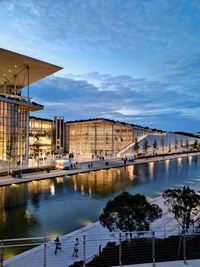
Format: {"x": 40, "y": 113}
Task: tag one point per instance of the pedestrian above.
{"x": 75, "y": 252}
{"x": 88, "y": 166}
{"x": 57, "y": 244}
{"x": 91, "y": 165}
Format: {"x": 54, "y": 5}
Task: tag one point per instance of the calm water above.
{"x": 60, "y": 205}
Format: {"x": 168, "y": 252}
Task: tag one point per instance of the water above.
{"x": 61, "y": 205}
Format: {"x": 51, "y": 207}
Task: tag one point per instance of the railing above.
{"x": 16, "y": 96}
{"x": 131, "y": 144}
{"x": 114, "y": 249}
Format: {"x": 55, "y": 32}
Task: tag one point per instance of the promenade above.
{"x": 83, "y": 167}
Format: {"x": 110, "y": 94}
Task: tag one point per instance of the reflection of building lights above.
{"x": 90, "y": 191}
{"x": 151, "y": 169}
{"x": 52, "y": 189}
{"x": 75, "y": 187}
{"x": 59, "y": 180}
{"x": 179, "y": 161}
{"x": 167, "y": 164}
{"x": 86, "y": 222}
{"x": 190, "y": 160}
{"x": 82, "y": 189}
{"x": 14, "y": 185}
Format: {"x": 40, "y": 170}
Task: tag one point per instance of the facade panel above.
{"x": 13, "y": 132}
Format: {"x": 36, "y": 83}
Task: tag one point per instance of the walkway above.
{"x": 83, "y": 167}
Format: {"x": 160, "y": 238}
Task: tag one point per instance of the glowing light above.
{"x": 52, "y": 189}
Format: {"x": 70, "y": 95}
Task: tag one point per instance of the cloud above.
{"x": 116, "y": 97}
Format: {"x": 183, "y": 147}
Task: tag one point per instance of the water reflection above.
{"x": 64, "y": 204}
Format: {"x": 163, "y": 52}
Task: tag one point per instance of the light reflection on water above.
{"x": 64, "y": 204}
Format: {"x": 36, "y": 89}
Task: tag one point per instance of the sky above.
{"x": 136, "y": 61}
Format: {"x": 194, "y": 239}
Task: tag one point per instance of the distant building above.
{"x": 103, "y": 137}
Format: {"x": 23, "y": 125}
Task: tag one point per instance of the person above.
{"x": 75, "y": 252}
{"x": 57, "y": 244}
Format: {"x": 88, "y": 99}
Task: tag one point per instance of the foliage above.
{"x": 187, "y": 143}
{"x": 195, "y": 145}
{"x": 169, "y": 148}
{"x": 136, "y": 146}
{"x": 145, "y": 146}
{"x": 128, "y": 213}
{"x": 155, "y": 146}
{"x": 175, "y": 144}
{"x": 162, "y": 144}
{"x": 184, "y": 204}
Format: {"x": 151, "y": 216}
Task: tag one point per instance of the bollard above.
{"x": 84, "y": 251}
{"x": 120, "y": 249}
{"x": 45, "y": 254}
{"x": 153, "y": 248}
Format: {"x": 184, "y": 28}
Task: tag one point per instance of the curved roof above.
{"x": 14, "y": 66}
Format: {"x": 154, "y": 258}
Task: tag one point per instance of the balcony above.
{"x": 21, "y": 101}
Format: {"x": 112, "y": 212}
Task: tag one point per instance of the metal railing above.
{"x": 114, "y": 249}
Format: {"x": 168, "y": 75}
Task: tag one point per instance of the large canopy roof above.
{"x": 14, "y": 69}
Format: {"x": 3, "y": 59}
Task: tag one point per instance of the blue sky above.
{"x": 136, "y": 61}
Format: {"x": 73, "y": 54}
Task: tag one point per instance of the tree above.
{"x": 10, "y": 150}
{"x": 162, "y": 144}
{"x": 136, "y": 146}
{"x": 155, "y": 147}
{"x": 195, "y": 145}
{"x": 145, "y": 146}
{"x": 36, "y": 148}
{"x": 181, "y": 143}
{"x": 184, "y": 204}
{"x": 169, "y": 148}
{"x": 175, "y": 144}
{"x": 129, "y": 213}
{"x": 187, "y": 144}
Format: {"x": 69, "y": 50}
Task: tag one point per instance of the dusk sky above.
{"x": 136, "y": 61}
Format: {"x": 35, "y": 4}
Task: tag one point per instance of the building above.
{"x": 17, "y": 72}
{"x": 40, "y": 137}
{"x": 103, "y": 137}
{"x": 58, "y": 135}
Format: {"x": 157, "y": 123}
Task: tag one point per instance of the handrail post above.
{"x": 45, "y": 253}
{"x": 1, "y": 253}
{"x": 184, "y": 249}
{"x": 84, "y": 251}
{"x": 120, "y": 249}
{"x": 153, "y": 248}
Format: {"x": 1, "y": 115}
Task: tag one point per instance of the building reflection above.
{"x": 15, "y": 224}
{"x": 102, "y": 183}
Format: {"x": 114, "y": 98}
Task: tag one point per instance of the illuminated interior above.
{"x": 40, "y": 137}
{"x": 98, "y": 137}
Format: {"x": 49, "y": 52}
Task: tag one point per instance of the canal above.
{"x": 63, "y": 204}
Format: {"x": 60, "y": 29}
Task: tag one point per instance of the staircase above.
{"x": 125, "y": 149}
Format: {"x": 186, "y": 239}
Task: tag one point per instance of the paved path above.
{"x": 83, "y": 167}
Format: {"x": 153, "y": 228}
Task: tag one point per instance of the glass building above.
{"x": 97, "y": 137}
{"x": 40, "y": 137}
{"x": 17, "y": 72}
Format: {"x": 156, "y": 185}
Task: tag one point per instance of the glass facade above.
{"x": 40, "y": 137}
{"x": 98, "y": 137}
{"x": 13, "y": 132}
